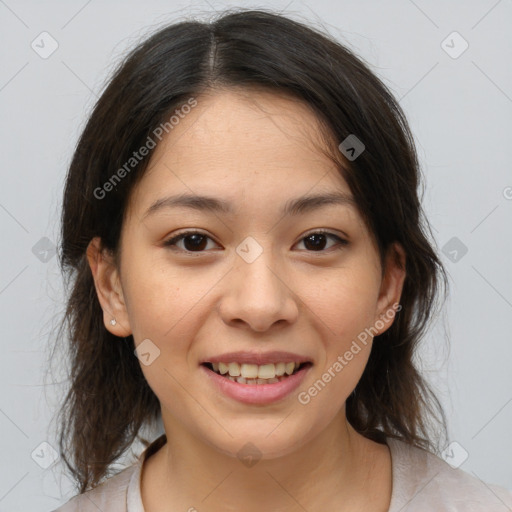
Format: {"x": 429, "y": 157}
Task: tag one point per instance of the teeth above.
{"x": 280, "y": 369}
{"x": 249, "y": 371}
{"x": 289, "y": 368}
{"x": 267, "y": 371}
{"x": 255, "y": 374}
{"x": 234, "y": 369}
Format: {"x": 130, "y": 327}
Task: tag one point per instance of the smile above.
{"x": 255, "y": 384}
{"x": 251, "y": 374}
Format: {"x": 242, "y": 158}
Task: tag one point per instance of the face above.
{"x": 258, "y": 275}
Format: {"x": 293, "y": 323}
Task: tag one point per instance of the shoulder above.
{"x": 423, "y": 481}
{"x": 109, "y": 496}
{"x": 119, "y": 493}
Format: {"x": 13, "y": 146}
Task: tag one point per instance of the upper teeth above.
{"x": 254, "y": 371}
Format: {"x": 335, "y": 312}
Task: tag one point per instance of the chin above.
{"x": 263, "y": 440}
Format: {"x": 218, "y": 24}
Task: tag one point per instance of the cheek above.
{"x": 325, "y": 396}
{"x": 163, "y": 300}
{"x": 166, "y": 307}
{"x": 343, "y": 310}
{"x": 345, "y": 302}
{"x": 345, "y": 315}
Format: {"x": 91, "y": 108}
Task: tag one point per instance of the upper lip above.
{"x": 258, "y": 358}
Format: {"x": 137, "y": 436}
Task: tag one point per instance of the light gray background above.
{"x": 459, "y": 110}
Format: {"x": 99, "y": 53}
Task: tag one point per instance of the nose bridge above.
{"x": 256, "y": 294}
{"x": 260, "y": 276}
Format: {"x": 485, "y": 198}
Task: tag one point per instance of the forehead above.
{"x": 248, "y": 142}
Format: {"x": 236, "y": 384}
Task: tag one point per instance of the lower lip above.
{"x": 257, "y": 393}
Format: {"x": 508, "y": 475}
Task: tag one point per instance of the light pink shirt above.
{"x": 421, "y": 482}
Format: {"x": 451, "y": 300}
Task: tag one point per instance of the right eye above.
{"x": 193, "y": 241}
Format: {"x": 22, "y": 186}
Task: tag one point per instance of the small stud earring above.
{"x": 113, "y": 321}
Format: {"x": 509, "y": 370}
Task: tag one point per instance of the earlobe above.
{"x": 108, "y": 289}
{"x": 391, "y": 287}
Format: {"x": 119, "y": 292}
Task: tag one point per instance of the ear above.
{"x": 390, "y": 292}
{"x": 108, "y": 288}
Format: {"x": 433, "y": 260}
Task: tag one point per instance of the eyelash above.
{"x": 172, "y": 241}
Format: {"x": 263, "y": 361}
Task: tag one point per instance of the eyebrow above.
{"x": 296, "y": 206}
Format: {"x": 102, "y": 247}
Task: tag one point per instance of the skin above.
{"x": 257, "y": 150}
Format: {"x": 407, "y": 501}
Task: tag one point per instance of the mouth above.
{"x": 254, "y": 374}
{"x": 255, "y": 379}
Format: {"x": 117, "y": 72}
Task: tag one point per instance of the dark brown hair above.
{"x": 109, "y": 400}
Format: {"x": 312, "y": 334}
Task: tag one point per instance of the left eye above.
{"x": 194, "y": 241}
{"x": 318, "y": 240}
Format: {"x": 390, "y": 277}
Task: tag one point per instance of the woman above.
{"x": 249, "y": 263}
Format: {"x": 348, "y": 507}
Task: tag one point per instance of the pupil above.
{"x": 318, "y": 240}
{"x": 198, "y": 242}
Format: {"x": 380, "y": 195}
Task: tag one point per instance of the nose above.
{"x": 257, "y": 296}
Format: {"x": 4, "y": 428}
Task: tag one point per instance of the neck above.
{"x": 336, "y": 468}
